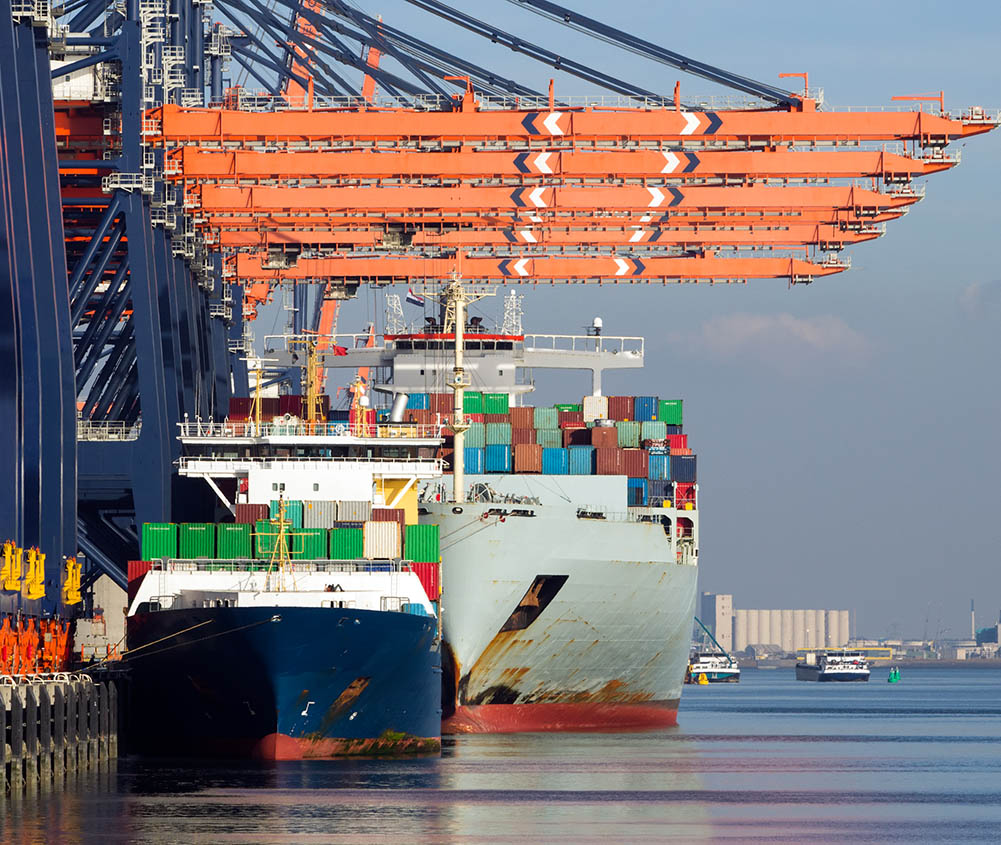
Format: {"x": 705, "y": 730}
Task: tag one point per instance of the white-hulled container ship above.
{"x": 569, "y": 535}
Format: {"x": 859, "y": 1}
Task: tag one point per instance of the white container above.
{"x": 354, "y": 511}
{"x": 318, "y": 514}
{"x": 382, "y": 540}
{"x": 595, "y": 408}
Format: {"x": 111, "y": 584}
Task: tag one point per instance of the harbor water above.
{"x": 769, "y": 759}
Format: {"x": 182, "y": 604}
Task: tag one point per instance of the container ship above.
{"x": 569, "y": 534}
{"x": 299, "y": 625}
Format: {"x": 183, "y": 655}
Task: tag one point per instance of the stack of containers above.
{"x": 423, "y": 548}
{"x": 397, "y": 515}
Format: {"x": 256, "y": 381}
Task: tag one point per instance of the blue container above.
{"x": 473, "y": 456}
{"x": 418, "y": 401}
{"x": 683, "y": 468}
{"x": 659, "y": 489}
{"x": 673, "y": 429}
{"x": 498, "y": 434}
{"x": 382, "y": 415}
{"x": 498, "y": 457}
{"x": 659, "y": 466}
{"x": 338, "y": 416}
{"x": 646, "y": 408}
{"x": 555, "y": 462}
{"x": 581, "y": 460}
{"x": 636, "y": 491}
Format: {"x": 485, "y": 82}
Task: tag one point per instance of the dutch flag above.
{"x": 414, "y": 299}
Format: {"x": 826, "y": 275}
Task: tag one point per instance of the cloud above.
{"x": 788, "y": 343}
{"x": 980, "y": 299}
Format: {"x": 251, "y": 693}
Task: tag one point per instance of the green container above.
{"x": 565, "y": 407}
{"x": 472, "y": 402}
{"x": 547, "y": 418}
{"x": 232, "y": 541}
{"x": 495, "y": 403}
{"x": 159, "y": 540}
{"x": 196, "y": 539}
{"x": 265, "y": 537}
{"x": 629, "y": 433}
{"x": 293, "y": 511}
{"x": 422, "y": 543}
{"x": 476, "y": 437}
{"x": 653, "y": 430}
{"x": 670, "y": 411}
{"x": 309, "y": 544}
{"x": 498, "y": 434}
{"x": 347, "y": 544}
{"x": 549, "y": 438}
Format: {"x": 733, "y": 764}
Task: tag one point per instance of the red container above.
{"x": 239, "y": 407}
{"x": 290, "y": 404}
{"x": 605, "y": 437}
{"x": 494, "y": 418}
{"x": 577, "y": 436}
{"x": 249, "y": 514}
{"x": 522, "y": 435}
{"x": 442, "y": 403}
{"x": 568, "y": 419}
{"x": 620, "y": 408}
{"x": 136, "y": 570}
{"x": 635, "y": 462}
{"x": 398, "y": 515}
{"x": 677, "y": 441}
{"x": 527, "y": 456}
{"x": 684, "y": 492}
{"x": 522, "y": 417}
{"x": 270, "y": 407}
{"x": 482, "y": 418}
{"x": 608, "y": 461}
{"x": 430, "y": 578}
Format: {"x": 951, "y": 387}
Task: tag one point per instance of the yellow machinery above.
{"x": 71, "y": 584}
{"x": 13, "y": 563}
{"x": 34, "y": 578}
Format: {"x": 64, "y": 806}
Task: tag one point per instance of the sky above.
{"x": 847, "y": 431}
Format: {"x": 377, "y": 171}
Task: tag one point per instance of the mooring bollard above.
{"x": 44, "y": 733}
{"x": 16, "y": 707}
{"x": 70, "y": 749}
{"x": 58, "y": 732}
{"x": 30, "y": 735}
{"x": 82, "y": 725}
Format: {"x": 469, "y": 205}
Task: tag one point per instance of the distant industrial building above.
{"x": 778, "y": 630}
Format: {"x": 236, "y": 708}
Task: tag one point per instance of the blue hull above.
{"x": 284, "y": 682}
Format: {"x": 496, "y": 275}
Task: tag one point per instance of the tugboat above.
{"x": 833, "y": 665}
{"x": 715, "y": 666}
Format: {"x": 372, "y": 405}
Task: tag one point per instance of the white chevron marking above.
{"x": 552, "y": 123}
{"x": 536, "y": 197}
{"x": 535, "y": 218}
{"x": 528, "y": 236}
{"x": 623, "y": 266}
{"x": 646, "y": 218}
{"x": 637, "y": 235}
{"x": 691, "y": 123}
{"x": 541, "y": 163}
{"x": 657, "y": 197}
{"x": 519, "y": 266}
{"x": 672, "y": 162}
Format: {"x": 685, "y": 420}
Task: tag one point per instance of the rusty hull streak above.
{"x": 339, "y": 707}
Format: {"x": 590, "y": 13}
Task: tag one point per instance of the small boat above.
{"x": 894, "y": 677}
{"x": 714, "y": 667}
{"x": 833, "y": 664}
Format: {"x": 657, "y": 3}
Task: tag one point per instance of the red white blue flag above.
{"x": 414, "y": 299}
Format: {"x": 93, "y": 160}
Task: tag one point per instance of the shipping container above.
{"x": 569, "y": 419}
{"x": 628, "y": 434}
{"x": 581, "y": 460}
{"x": 496, "y": 418}
{"x": 498, "y": 433}
{"x": 669, "y": 411}
{"x": 429, "y": 573}
{"x": 475, "y": 418}
{"x": 159, "y": 540}
{"x": 391, "y": 515}
{"x": 339, "y": 415}
{"x": 423, "y": 545}
{"x": 354, "y": 511}
{"x": 473, "y": 459}
{"x": 660, "y": 489}
{"x": 608, "y": 461}
{"x": 546, "y": 418}
{"x": 605, "y": 437}
{"x": 196, "y": 539}
{"x": 265, "y": 538}
{"x": 634, "y": 462}
{"x": 636, "y": 492}
{"x": 495, "y": 403}
{"x": 659, "y": 467}
{"x": 645, "y": 408}
{"x": 309, "y": 544}
{"x": 347, "y": 543}
{"x": 555, "y": 462}
{"x": 293, "y": 511}
{"x": 318, "y": 514}
{"x": 576, "y": 437}
{"x": 684, "y": 493}
{"x": 472, "y": 402}
{"x": 673, "y": 429}
{"x": 476, "y": 436}
{"x": 522, "y": 417}
{"x": 417, "y": 401}
{"x": 497, "y": 457}
{"x": 653, "y": 430}
{"x": 270, "y": 408}
{"x": 569, "y": 406}
{"x": 551, "y": 438}
{"x": 442, "y": 403}
{"x": 520, "y": 436}
{"x": 595, "y": 408}
{"x": 677, "y": 441}
{"x": 249, "y": 514}
{"x": 290, "y": 405}
{"x": 527, "y": 456}
{"x": 239, "y": 407}
{"x": 233, "y": 541}
{"x": 382, "y": 540}
{"x": 620, "y": 407}
{"x": 683, "y": 468}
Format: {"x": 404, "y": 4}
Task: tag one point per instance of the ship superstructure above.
{"x": 833, "y": 665}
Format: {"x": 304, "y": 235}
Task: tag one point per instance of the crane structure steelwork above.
{"x": 174, "y": 200}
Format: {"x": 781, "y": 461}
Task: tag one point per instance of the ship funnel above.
{"x": 399, "y": 406}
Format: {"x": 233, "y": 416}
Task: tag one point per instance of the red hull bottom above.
{"x": 278, "y": 746}
{"x": 558, "y": 716}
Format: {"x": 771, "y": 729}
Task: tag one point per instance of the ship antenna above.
{"x": 512, "y": 314}
{"x": 395, "y": 321}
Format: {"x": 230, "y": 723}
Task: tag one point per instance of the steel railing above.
{"x": 107, "y": 431}
{"x": 584, "y": 343}
{"x": 371, "y": 431}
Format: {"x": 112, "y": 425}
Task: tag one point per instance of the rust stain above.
{"x": 339, "y": 707}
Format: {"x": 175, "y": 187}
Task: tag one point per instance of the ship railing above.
{"x": 404, "y": 466}
{"x": 584, "y": 343}
{"x": 300, "y": 428}
{"x": 264, "y": 565}
{"x": 114, "y": 430}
